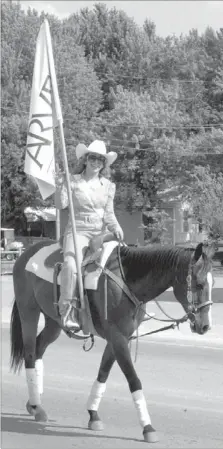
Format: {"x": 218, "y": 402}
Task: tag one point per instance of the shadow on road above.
{"x": 17, "y": 423}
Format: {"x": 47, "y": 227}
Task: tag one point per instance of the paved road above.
{"x": 182, "y": 376}
{"x": 183, "y": 385}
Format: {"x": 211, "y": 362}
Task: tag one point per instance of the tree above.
{"x": 140, "y": 127}
{"x": 80, "y": 96}
{"x": 206, "y": 196}
{"x": 152, "y": 99}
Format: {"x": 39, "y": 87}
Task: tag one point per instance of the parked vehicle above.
{"x": 218, "y": 257}
{"x": 10, "y": 248}
{"x": 5, "y": 255}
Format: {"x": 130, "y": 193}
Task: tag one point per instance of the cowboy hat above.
{"x": 97, "y": 147}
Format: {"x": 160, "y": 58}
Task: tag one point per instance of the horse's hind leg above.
{"x": 122, "y": 354}
{"x": 48, "y": 335}
{"x": 98, "y": 388}
{"x": 29, "y": 321}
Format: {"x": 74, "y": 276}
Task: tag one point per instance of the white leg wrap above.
{"x": 39, "y": 375}
{"x": 141, "y": 407}
{"x": 97, "y": 391}
{"x": 34, "y": 396}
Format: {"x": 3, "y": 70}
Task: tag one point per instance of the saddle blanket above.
{"x": 36, "y": 265}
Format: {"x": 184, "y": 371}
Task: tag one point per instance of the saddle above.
{"x": 96, "y": 252}
{"x": 93, "y": 252}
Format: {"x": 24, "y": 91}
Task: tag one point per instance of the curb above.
{"x": 174, "y": 338}
{"x": 177, "y": 339}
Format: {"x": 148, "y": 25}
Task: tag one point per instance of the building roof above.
{"x": 170, "y": 194}
{"x": 46, "y": 213}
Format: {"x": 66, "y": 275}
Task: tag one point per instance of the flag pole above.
{"x": 65, "y": 163}
{"x": 57, "y": 211}
{"x": 72, "y": 216}
{"x": 57, "y": 224}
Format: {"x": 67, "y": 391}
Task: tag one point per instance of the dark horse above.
{"x": 147, "y": 272}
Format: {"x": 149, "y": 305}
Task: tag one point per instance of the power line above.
{"x": 128, "y": 125}
{"x": 135, "y": 77}
{"x": 160, "y": 153}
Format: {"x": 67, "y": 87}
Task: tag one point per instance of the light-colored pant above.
{"x": 69, "y": 269}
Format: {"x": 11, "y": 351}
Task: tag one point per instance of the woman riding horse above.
{"x": 132, "y": 276}
{"x": 93, "y": 196}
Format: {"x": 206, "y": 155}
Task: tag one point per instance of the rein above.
{"x": 193, "y": 307}
{"x": 122, "y": 283}
{"x": 175, "y": 321}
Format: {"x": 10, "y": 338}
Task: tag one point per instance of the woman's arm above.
{"x": 110, "y": 219}
{"x": 61, "y": 195}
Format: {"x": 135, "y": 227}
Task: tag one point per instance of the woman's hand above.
{"x": 119, "y": 234}
{"x": 59, "y": 177}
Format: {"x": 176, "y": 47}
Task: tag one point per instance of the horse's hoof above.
{"x": 37, "y": 411}
{"x": 40, "y": 414}
{"x": 95, "y": 425}
{"x": 29, "y": 409}
{"x": 150, "y": 435}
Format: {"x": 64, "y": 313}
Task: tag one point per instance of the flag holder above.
{"x": 66, "y": 169}
{"x": 72, "y": 216}
{"x": 45, "y": 114}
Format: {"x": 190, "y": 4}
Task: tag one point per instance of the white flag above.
{"x": 45, "y": 113}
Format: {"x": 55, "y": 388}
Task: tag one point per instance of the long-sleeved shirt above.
{"x": 93, "y": 204}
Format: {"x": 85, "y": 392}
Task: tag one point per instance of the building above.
{"x": 180, "y": 225}
{"x": 40, "y": 223}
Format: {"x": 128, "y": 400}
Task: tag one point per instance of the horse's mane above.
{"x": 156, "y": 259}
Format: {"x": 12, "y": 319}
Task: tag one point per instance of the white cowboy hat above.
{"x": 97, "y": 147}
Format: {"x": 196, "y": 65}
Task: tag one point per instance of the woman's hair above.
{"x": 81, "y": 164}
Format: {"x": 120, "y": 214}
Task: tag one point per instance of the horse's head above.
{"x": 200, "y": 283}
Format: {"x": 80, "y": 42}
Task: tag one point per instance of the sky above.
{"x": 171, "y": 17}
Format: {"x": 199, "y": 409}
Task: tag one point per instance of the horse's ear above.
{"x": 208, "y": 250}
{"x": 198, "y": 252}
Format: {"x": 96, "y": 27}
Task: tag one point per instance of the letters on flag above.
{"x": 45, "y": 112}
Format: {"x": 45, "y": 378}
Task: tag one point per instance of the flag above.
{"x": 45, "y": 114}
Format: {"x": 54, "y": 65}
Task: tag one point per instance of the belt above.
{"x": 89, "y": 219}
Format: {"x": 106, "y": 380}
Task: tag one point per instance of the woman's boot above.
{"x": 68, "y": 300}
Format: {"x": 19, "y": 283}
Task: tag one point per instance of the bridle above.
{"x": 193, "y": 307}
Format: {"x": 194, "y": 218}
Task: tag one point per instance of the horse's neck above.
{"x": 158, "y": 280}
{"x": 148, "y": 288}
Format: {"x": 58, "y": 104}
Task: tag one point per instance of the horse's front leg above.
{"x": 98, "y": 388}
{"x": 123, "y": 357}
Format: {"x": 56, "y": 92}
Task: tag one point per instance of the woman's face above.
{"x": 95, "y": 162}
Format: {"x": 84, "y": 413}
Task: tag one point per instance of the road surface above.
{"x": 183, "y": 385}
{"x": 182, "y": 376}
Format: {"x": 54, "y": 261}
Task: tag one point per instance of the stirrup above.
{"x": 69, "y": 321}
{"x": 71, "y": 326}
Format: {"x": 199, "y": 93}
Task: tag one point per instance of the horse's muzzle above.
{"x": 198, "y": 329}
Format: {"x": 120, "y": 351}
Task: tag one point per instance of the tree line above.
{"x": 157, "y": 101}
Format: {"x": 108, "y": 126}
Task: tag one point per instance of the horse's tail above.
{"x": 17, "y": 348}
